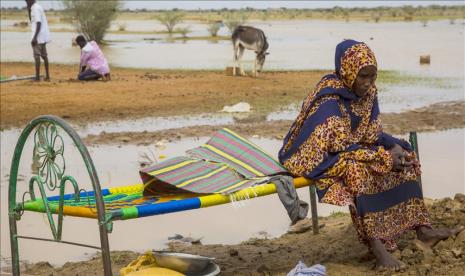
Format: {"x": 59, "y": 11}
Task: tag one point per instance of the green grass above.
{"x": 398, "y": 78}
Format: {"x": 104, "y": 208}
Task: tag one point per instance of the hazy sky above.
{"x": 243, "y": 4}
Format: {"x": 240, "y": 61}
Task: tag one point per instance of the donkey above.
{"x": 246, "y": 37}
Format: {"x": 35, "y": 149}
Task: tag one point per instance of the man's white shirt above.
{"x": 38, "y": 15}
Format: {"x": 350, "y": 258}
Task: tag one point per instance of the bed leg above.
{"x": 414, "y": 142}
{"x": 14, "y": 245}
{"x": 314, "y": 210}
{"x": 105, "y": 250}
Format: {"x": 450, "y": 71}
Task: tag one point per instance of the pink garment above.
{"x": 92, "y": 56}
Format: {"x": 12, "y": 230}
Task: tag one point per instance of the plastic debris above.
{"x": 239, "y": 107}
{"x": 302, "y": 270}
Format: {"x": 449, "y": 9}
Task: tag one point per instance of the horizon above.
{"x": 218, "y": 5}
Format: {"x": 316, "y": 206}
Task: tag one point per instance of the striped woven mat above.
{"x": 225, "y": 164}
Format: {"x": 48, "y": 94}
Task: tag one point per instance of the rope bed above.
{"x": 128, "y": 202}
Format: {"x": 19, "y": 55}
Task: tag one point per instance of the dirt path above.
{"x": 336, "y": 247}
{"x": 134, "y": 93}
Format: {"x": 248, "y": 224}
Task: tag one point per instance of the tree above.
{"x": 170, "y": 19}
{"x": 214, "y": 27}
{"x": 233, "y": 20}
{"x": 183, "y": 31}
{"x": 92, "y": 18}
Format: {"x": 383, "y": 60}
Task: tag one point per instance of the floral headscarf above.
{"x": 351, "y": 56}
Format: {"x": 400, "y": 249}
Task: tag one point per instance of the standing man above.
{"x": 40, "y": 36}
{"x": 93, "y": 64}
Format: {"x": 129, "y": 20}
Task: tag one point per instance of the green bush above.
{"x": 234, "y": 19}
{"x": 213, "y": 28}
{"x": 170, "y": 19}
{"x": 183, "y": 31}
{"x": 92, "y": 18}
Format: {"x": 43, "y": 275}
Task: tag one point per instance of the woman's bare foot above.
{"x": 431, "y": 236}
{"x": 383, "y": 258}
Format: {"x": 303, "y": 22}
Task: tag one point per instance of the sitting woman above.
{"x": 93, "y": 65}
{"x": 337, "y": 140}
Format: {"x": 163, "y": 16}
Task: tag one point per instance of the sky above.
{"x": 167, "y": 5}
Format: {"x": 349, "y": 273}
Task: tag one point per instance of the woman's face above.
{"x": 366, "y": 78}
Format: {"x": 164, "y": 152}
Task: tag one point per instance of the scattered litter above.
{"x": 302, "y": 270}
{"x": 148, "y": 158}
{"x": 239, "y": 107}
{"x": 161, "y": 144}
{"x": 15, "y": 78}
{"x": 181, "y": 238}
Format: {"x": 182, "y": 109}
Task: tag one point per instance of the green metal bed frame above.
{"x": 50, "y": 174}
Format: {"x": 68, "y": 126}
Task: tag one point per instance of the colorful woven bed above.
{"x": 227, "y": 168}
{"x": 128, "y": 202}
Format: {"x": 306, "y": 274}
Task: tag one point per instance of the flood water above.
{"x": 395, "y": 98}
{"x": 442, "y": 156}
{"x": 299, "y": 44}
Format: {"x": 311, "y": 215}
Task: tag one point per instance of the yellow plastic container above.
{"x": 155, "y": 271}
{"x": 146, "y": 265}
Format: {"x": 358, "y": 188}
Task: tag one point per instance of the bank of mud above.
{"x": 439, "y": 116}
{"x": 336, "y": 247}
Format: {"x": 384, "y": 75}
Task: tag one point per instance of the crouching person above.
{"x": 93, "y": 65}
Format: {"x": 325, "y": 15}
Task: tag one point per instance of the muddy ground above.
{"x": 336, "y": 247}
{"x": 137, "y": 93}
{"x": 440, "y": 116}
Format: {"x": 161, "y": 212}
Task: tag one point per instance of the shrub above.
{"x": 233, "y": 20}
{"x": 214, "y": 27}
{"x": 92, "y": 18}
{"x": 170, "y": 19}
{"x": 122, "y": 27}
{"x": 183, "y": 31}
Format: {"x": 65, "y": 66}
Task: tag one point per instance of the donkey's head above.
{"x": 261, "y": 56}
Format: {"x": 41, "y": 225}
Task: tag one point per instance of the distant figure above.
{"x": 40, "y": 36}
{"x": 246, "y": 37}
{"x": 93, "y": 65}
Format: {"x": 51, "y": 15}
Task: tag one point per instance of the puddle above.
{"x": 442, "y": 155}
{"x": 394, "y": 99}
{"x": 296, "y": 44}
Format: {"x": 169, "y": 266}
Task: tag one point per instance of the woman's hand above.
{"x": 401, "y": 162}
